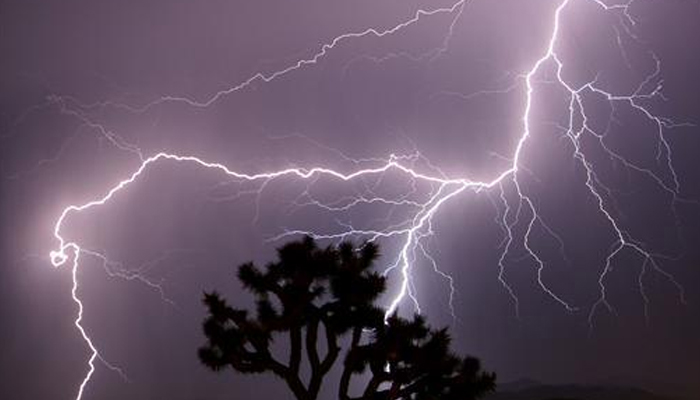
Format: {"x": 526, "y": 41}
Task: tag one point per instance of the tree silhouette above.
{"x": 315, "y": 294}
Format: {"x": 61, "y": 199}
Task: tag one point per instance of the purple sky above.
{"x": 84, "y": 88}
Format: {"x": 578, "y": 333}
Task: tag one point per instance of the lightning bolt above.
{"x": 518, "y": 209}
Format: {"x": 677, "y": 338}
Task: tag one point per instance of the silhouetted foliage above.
{"x": 335, "y": 287}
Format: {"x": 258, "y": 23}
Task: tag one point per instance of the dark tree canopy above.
{"x": 335, "y": 287}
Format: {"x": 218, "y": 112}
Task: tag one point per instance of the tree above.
{"x": 313, "y": 294}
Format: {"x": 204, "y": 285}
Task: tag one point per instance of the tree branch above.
{"x": 347, "y": 368}
{"x": 295, "y": 349}
{"x": 311, "y": 338}
{"x": 372, "y": 386}
{"x": 319, "y": 368}
{"x": 333, "y": 348}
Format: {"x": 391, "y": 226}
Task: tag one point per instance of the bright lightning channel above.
{"x": 418, "y": 228}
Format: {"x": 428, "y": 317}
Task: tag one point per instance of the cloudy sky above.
{"x": 88, "y": 90}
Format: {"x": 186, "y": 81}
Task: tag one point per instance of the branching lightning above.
{"x": 520, "y": 209}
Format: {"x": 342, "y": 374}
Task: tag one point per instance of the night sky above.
{"x": 89, "y": 89}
